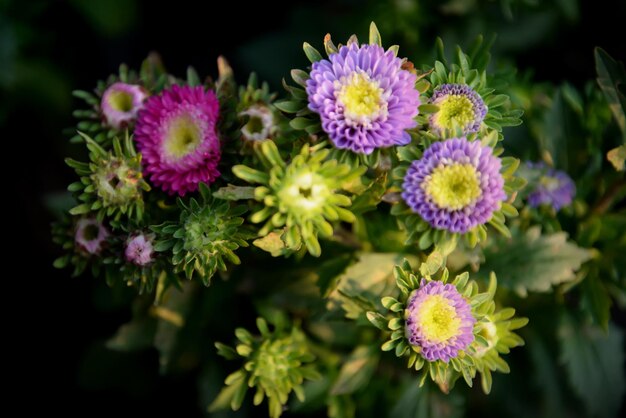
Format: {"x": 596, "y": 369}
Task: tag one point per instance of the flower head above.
{"x": 553, "y": 187}
{"x": 439, "y": 321}
{"x": 121, "y": 102}
{"x": 111, "y": 182}
{"x": 455, "y": 186}
{"x": 302, "y": 196}
{"x": 90, "y": 235}
{"x": 459, "y": 105}
{"x": 364, "y": 98}
{"x": 139, "y": 249}
{"x": 260, "y": 123}
{"x": 205, "y": 237}
{"x": 176, "y": 133}
{"x": 276, "y": 363}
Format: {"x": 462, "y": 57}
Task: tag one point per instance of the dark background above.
{"x": 48, "y": 48}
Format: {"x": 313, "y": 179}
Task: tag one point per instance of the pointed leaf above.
{"x": 533, "y": 262}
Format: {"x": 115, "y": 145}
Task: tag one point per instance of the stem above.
{"x": 605, "y": 201}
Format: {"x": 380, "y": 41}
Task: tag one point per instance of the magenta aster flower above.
{"x": 459, "y": 105}
{"x": 139, "y": 249}
{"x": 176, "y": 134}
{"x": 364, "y": 98}
{"x": 121, "y": 102}
{"x": 90, "y": 235}
{"x": 455, "y": 186}
{"x": 554, "y": 188}
{"x": 439, "y": 321}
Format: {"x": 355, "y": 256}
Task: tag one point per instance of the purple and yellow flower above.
{"x": 90, "y": 235}
{"x": 439, "y": 321}
{"x": 121, "y": 103}
{"x": 139, "y": 249}
{"x": 177, "y": 135}
{"x": 364, "y": 98}
{"x": 459, "y": 106}
{"x": 455, "y": 186}
{"x": 554, "y": 188}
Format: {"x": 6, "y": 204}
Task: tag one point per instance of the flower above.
{"x": 364, "y": 98}
{"x": 176, "y": 133}
{"x": 205, "y": 237}
{"x": 260, "y": 123}
{"x": 117, "y": 181}
{"x": 139, "y": 249}
{"x": 303, "y": 196}
{"x": 90, "y": 235}
{"x": 459, "y": 105}
{"x": 455, "y": 186}
{"x": 435, "y": 323}
{"x": 276, "y": 363}
{"x": 439, "y": 321}
{"x": 554, "y": 187}
{"x": 111, "y": 182}
{"x": 121, "y": 102}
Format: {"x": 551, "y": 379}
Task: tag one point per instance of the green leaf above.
{"x": 428, "y": 108}
{"x": 329, "y": 272}
{"x": 375, "y": 38}
{"x": 377, "y": 320}
{"x": 433, "y": 263}
{"x": 138, "y": 334}
{"x": 594, "y": 362}
{"x": 250, "y": 174}
{"x": 357, "y": 370}
{"x": 300, "y": 77}
{"x": 225, "y": 397}
{"x": 232, "y": 192}
{"x": 80, "y": 209}
{"x": 225, "y": 351}
{"x": 363, "y": 282}
{"x": 596, "y": 301}
{"x": 426, "y": 402}
{"x": 311, "y": 53}
{"x": 288, "y": 106}
{"x": 341, "y": 407}
{"x": 171, "y": 316}
{"x": 617, "y": 156}
{"x": 192, "y": 77}
{"x": 612, "y": 77}
{"x": 272, "y": 243}
{"x": 301, "y": 123}
{"x": 533, "y": 262}
{"x": 545, "y": 376}
{"x": 554, "y": 137}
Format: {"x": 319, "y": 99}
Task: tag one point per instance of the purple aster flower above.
{"x": 90, "y": 235}
{"x": 455, "y": 186}
{"x": 364, "y": 98}
{"x": 176, "y": 134}
{"x": 439, "y": 321}
{"x": 554, "y": 188}
{"x": 139, "y": 249}
{"x": 459, "y": 105}
{"x": 121, "y": 102}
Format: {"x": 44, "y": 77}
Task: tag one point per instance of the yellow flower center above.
{"x": 438, "y": 319}
{"x": 453, "y": 186}
{"x": 454, "y": 110}
{"x": 183, "y": 136}
{"x": 307, "y": 193}
{"x": 361, "y": 97}
{"x": 121, "y": 101}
